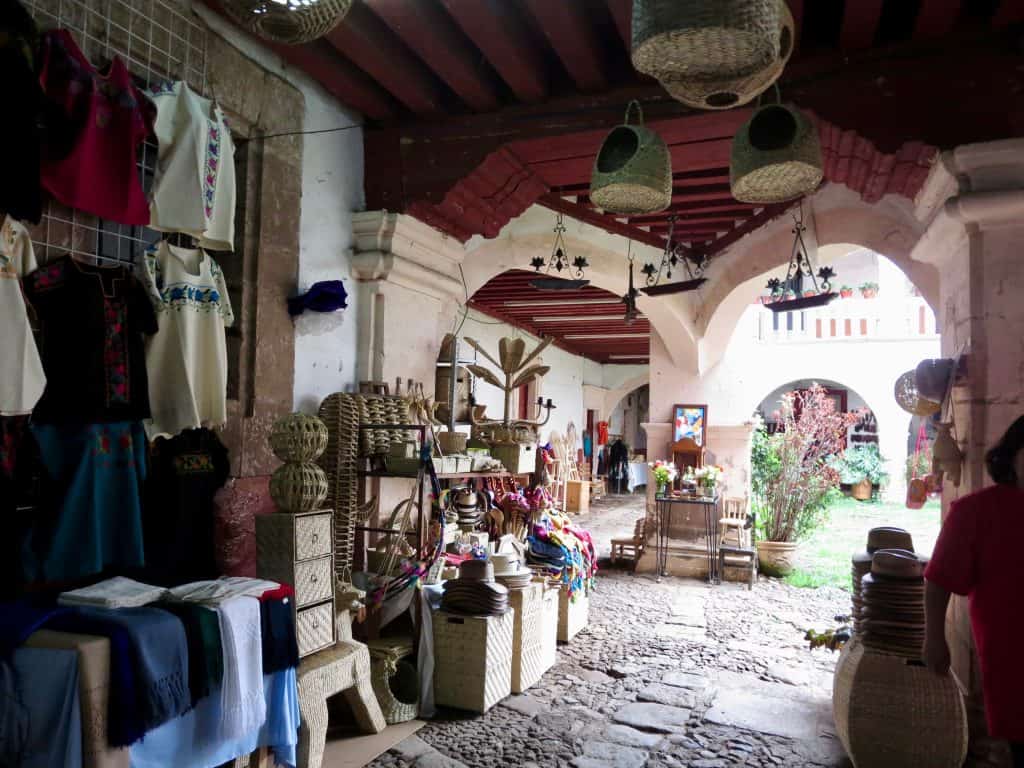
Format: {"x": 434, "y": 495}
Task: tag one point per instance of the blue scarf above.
{"x": 149, "y": 666}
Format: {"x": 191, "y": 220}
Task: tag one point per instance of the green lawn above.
{"x": 824, "y": 558}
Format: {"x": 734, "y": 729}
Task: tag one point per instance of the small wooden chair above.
{"x": 746, "y": 553}
{"x": 633, "y": 548}
{"x": 734, "y": 523}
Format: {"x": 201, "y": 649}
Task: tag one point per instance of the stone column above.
{"x": 729, "y": 447}
{"x": 973, "y": 204}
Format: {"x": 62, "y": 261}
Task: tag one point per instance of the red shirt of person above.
{"x": 978, "y": 554}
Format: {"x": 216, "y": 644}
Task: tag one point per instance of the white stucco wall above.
{"x": 332, "y": 188}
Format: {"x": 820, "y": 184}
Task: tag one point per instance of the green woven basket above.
{"x": 735, "y": 90}
{"x": 633, "y": 170}
{"x": 776, "y": 156}
{"x": 288, "y": 21}
{"x": 704, "y": 38}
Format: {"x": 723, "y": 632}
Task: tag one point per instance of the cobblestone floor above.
{"x": 674, "y": 674}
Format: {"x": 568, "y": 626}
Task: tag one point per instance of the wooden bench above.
{"x": 632, "y": 548}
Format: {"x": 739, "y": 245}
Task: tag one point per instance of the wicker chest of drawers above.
{"x": 298, "y": 550}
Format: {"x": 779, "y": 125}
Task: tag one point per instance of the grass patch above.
{"x": 823, "y": 558}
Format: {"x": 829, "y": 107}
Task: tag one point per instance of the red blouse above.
{"x": 91, "y": 156}
{"x": 978, "y": 554}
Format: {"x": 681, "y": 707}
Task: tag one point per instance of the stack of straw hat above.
{"x": 475, "y": 592}
{"x": 892, "y": 618}
{"x": 883, "y": 537}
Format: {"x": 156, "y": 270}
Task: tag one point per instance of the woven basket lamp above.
{"x": 288, "y": 21}
{"x": 724, "y": 92}
{"x": 298, "y": 437}
{"x": 633, "y": 170}
{"x": 910, "y": 400}
{"x": 776, "y": 156}
{"x": 298, "y": 485}
{"x": 704, "y": 38}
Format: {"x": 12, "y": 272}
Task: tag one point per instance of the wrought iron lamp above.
{"x": 800, "y": 267}
{"x": 693, "y": 264}
{"x": 629, "y": 298}
{"x": 559, "y": 260}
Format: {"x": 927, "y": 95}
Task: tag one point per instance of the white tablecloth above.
{"x": 637, "y": 474}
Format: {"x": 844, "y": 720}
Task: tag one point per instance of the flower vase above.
{"x": 662, "y": 487}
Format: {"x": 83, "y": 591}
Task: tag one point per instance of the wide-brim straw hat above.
{"x": 896, "y": 564}
{"x": 889, "y": 537}
{"x": 476, "y": 570}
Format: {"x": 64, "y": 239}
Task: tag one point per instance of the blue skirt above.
{"x": 97, "y": 472}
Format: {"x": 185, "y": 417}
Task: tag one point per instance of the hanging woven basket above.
{"x": 776, "y": 156}
{"x": 910, "y": 400}
{"x": 735, "y": 90}
{"x": 288, "y": 21}
{"x": 633, "y": 170}
{"x": 704, "y": 38}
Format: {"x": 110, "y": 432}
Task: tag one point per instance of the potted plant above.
{"x": 808, "y": 294}
{"x": 792, "y": 475}
{"x": 664, "y": 473}
{"x": 845, "y": 292}
{"x": 707, "y": 478}
{"x": 862, "y": 468}
{"x": 869, "y": 290}
{"x": 789, "y": 295}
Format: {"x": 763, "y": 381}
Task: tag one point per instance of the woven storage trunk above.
{"x": 527, "y": 637}
{"x": 549, "y": 632}
{"x": 573, "y": 615}
{"x": 891, "y": 712}
{"x": 472, "y": 660}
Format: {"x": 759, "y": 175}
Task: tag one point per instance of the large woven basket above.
{"x": 298, "y": 437}
{"x": 633, "y": 170}
{"x": 735, "y": 90}
{"x": 910, "y": 400}
{"x": 776, "y": 156}
{"x": 298, "y": 487}
{"x": 472, "y": 660}
{"x": 891, "y": 712}
{"x": 288, "y": 21}
{"x": 723, "y": 38}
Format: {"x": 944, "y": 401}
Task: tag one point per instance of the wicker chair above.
{"x": 632, "y": 548}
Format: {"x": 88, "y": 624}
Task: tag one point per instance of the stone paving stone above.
{"x": 435, "y": 759}
{"x": 653, "y": 717}
{"x": 596, "y": 677}
{"x": 689, "y": 680}
{"x": 764, "y": 707}
{"x": 624, "y": 735}
{"x": 615, "y": 755}
{"x": 524, "y": 705}
{"x": 668, "y": 694}
{"x": 411, "y": 747}
{"x": 681, "y": 632}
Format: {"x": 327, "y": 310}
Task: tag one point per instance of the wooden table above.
{"x": 665, "y": 507}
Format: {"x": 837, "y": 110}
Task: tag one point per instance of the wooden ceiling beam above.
{"x": 367, "y": 41}
{"x": 723, "y": 208}
{"x": 572, "y": 37}
{"x": 431, "y": 33}
{"x": 622, "y": 13}
{"x": 607, "y": 223}
{"x": 860, "y": 23}
{"x": 767, "y": 214}
{"x": 796, "y": 7}
{"x": 936, "y": 18}
{"x": 505, "y": 41}
{"x": 1009, "y": 12}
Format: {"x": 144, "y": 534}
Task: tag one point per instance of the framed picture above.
{"x": 689, "y": 421}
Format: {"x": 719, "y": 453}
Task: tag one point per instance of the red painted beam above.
{"x": 768, "y": 214}
{"x": 1009, "y": 12}
{"x": 724, "y": 208}
{"x": 860, "y": 22}
{"x": 367, "y": 41}
{"x": 572, "y": 36}
{"x": 622, "y": 13}
{"x": 431, "y": 33}
{"x": 607, "y": 223}
{"x": 505, "y": 41}
{"x": 936, "y": 18}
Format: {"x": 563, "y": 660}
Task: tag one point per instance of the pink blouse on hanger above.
{"x": 90, "y": 160}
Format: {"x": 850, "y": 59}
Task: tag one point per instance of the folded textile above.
{"x": 117, "y": 592}
{"x": 48, "y": 683}
{"x": 201, "y": 655}
{"x": 20, "y": 619}
{"x": 242, "y": 698}
{"x": 216, "y": 591}
{"x": 280, "y": 646}
{"x": 149, "y": 665}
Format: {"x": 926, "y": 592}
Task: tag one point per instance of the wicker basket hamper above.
{"x": 472, "y": 660}
{"x": 528, "y": 651}
{"x": 573, "y": 615}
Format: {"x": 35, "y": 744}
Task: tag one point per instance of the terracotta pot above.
{"x": 861, "y": 491}
{"x": 868, "y": 293}
{"x": 845, "y": 294}
{"x": 776, "y": 558}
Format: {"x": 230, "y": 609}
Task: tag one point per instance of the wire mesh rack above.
{"x": 158, "y": 40}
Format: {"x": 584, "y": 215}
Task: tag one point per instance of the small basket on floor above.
{"x": 395, "y": 679}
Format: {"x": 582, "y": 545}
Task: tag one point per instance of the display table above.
{"x": 666, "y": 507}
{"x": 637, "y": 475}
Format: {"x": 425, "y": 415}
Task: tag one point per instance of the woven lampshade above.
{"x": 298, "y": 487}
{"x": 910, "y": 400}
{"x": 776, "y": 156}
{"x": 725, "y": 92}
{"x": 288, "y": 21}
{"x": 633, "y": 170}
{"x": 723, "y": 38}
{"x": 298, "y": 437}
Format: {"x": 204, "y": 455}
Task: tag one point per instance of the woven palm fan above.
{"x": 704, "y": 38}
{"x": 910, "y": 400}
{"x": 725, "y": 92}
{"x": 288, "y": 21}
{"x": 633, "y": 170}
{"x": 776, "y": 156}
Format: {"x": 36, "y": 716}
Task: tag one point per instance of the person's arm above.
{"x": 936, "y": 649}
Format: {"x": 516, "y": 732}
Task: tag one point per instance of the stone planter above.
{"x": 776, "y": 558}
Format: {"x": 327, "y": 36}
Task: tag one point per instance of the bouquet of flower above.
{"x": 663, "y": 471}
{"x": 708, "y": 476}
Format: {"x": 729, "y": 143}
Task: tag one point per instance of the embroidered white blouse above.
{"x": 21, "y": 371}
{"x": 194, "y": 185}
{"x": 186, "y": 360}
